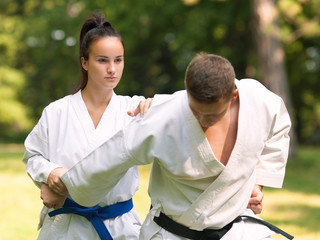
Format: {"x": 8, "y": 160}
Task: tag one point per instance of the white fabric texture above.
{"x": 187, "y": 182}
{"x": 64, "y": 135}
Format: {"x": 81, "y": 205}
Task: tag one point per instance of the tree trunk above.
{"x": 271, "y": 55}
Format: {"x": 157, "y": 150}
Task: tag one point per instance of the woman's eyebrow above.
{"x": 102, "y": 56}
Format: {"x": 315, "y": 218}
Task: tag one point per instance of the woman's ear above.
{"x": 84, "y": 63}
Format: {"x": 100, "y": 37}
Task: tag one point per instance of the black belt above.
{"x": 207, "y": 234}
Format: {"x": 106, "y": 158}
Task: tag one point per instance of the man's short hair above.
{"x": 209, "y": 78}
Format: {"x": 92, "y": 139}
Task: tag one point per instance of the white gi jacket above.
{"x": 187, "y": 182}
{"x": 64, "y": 135}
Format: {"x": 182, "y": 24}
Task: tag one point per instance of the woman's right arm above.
{"x": 50, "y": 198}
{"x": 36, "y": 157}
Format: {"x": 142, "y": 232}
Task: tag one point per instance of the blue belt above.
{"x": 95, "y": 214}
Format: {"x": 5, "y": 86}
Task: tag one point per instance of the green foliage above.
{"x": 10, "y": 36}
{"x": 13, "y": 115}
{"x": 300, "y": 33}
{"x": 39, "y": 39}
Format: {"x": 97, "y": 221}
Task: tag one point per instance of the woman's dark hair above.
{"x": 92, "y": 30}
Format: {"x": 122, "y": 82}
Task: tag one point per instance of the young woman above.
{"x": 73, "y": 126}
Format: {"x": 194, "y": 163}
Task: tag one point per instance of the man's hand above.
{"x": 55, "y": 183}
{"x": 142, "y": 108}
{"x": 50, "y": 198}
{"x": 255, "y": 202}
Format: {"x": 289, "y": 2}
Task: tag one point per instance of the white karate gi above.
{"x": 64, "y": 135}
{"x": 188, "y": 183}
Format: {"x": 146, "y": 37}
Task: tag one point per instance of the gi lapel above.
{"x": 106, "y": 127}
{"x": 227, "y": 196}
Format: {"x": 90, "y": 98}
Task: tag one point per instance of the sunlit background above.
{"x": 276, "y": 42}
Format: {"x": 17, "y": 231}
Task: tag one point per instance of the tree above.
{"x": 271, "y": 54}
{"x": 300, "y": 34}
{"x": 160, "y": 39}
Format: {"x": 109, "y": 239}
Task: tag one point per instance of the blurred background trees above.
{"x": 276, "y": 42}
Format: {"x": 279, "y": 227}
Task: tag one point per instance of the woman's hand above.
{"x": 50, "y": 198}
{"x": 142, "y": 108}
{"x": 255, "y": 202}
{"x": 55, "y": 183}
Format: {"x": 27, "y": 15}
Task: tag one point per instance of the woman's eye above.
{"x": 118, "y": 60}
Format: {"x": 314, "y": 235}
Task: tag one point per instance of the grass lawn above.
{"x": 295, "y": 208}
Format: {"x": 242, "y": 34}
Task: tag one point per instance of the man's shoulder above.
{"x": 250, "y": 83}
{"x": 255, "y": 89}
{"x": 168, "y": 98}
{"x": 167, "y": 107}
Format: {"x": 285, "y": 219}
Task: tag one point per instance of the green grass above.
{"x": 295, "y": 208}
{"x": 20, "y": 203}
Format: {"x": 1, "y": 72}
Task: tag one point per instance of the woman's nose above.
{"x": 111, "y": 68}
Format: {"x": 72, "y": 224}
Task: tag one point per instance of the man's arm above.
{"x": 255, "y": 202}
{"x": 95, "y": 175}
{"x": 273, "y": 159}
{"x": 91, "y": 178}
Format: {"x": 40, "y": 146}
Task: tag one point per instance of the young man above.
{"x": 209, "y": 145}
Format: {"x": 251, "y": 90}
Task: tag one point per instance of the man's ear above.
{"x": 235, "y": 93}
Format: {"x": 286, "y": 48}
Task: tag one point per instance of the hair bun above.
{"x": 100, "y": 20}
{"x": 107, "y": 24}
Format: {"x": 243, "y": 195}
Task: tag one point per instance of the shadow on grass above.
{"x": 299, "y": 215}
{"x": 302, "y": 173}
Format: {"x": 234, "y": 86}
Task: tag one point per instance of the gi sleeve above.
{"x": 36, "y": 156}
{"x": 95, "y": 175}
{"x": 271, "y": 167}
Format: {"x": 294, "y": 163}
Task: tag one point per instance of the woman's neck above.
{"x": 96, "y": 103}
{"x": 96, "y": 99}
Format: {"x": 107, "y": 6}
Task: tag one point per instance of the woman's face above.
{"x": 105, "y": 63}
